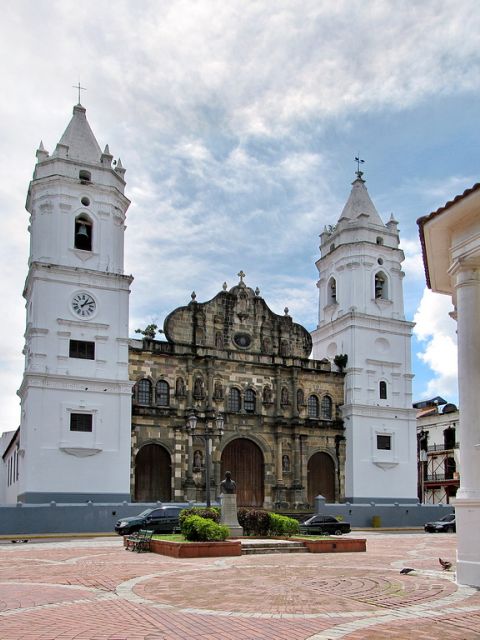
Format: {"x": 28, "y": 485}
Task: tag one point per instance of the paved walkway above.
{"x": 95, "y": 590}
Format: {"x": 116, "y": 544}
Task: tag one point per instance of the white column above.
{"x": 467, "y": 504}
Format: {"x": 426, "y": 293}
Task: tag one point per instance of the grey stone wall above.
{"x": 384, "y": 515}
{"x": 30, "y": 519}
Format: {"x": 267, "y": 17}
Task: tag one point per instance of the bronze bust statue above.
{"x": 228, "y": 485}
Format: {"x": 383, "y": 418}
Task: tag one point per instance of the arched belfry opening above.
{"x": 83, "y": 233}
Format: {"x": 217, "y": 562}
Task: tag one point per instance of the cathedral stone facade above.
{"x": 232, "y": 362}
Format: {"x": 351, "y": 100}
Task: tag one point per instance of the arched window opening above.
{"x": 326, "y": 408}
{"x": 249, "y": 401}
{"x": 234, "y": 400}
{"x": 379, "y": 240}
{"x": 83, "y": 233}
{"x": 313, "y": 407}
{"x": 84, "y": 175}
{"x": 381, "y": 286}
{"x": 162, "y": 393}
{"x": 144, "y": 391}
{"x": 382, "y": 389}
{"x": 332, "y": 291}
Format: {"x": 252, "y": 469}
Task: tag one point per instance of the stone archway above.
{"x": 244, "y": 459}
{"x": 321, "y": 477}
{"x": 153, "y": 473}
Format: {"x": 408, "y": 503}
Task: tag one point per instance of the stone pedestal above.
{"x": 229, "y": 514}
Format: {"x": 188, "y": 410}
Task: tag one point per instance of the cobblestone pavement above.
{"x": 95, "y": 590}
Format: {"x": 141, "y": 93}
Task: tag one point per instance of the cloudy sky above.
{"x": 238, "y": 123}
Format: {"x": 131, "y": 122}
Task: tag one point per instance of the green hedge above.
{"x": 197, "y": 529}
{"x": 212, "y": 513}
{"x": 260, "y": 523}
{"x": 283, "y": 526}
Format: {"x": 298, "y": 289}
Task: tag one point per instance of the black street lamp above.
{"x": 213, "y": 427}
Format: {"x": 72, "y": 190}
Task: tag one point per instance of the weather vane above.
{"x": 359, "y": 161}
{"x": 77, "y": 86}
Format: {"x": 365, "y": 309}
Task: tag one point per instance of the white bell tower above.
{"x": 76, "y": 395}
{"x": 361, "y": 316}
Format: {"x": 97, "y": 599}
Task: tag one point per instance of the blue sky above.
{"x": 238, "y": 123}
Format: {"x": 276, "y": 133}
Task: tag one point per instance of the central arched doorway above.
{"x": 244, "y": 459}
{"x": 321, "y": 477}
{"x": 153, "y": 473}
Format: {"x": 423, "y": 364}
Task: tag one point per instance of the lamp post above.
{"x": 213, "y": 427}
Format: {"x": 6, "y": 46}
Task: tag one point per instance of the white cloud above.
{"x": 437, "y": 331}
{"x": 230, "y": 118}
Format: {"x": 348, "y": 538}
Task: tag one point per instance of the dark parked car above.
{"x": 447, "y": 523}
{"x": 318, "y": 525}
{"x": 160, "y": 520}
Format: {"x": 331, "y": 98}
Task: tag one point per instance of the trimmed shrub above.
{"x": 282, "y": 525}
{"x": 213, "y": 513}
{"x": 255, "y": 522}
{"x": 197, "y": 529}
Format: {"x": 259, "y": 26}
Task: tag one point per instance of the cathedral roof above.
{"x": 359, "y": 204}
{"x": 79, "y": 138}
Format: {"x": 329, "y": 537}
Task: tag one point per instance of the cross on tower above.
{"x": 77, "y": 86}
{"x": 359, "y": 161}
{"x": 241, "y": 275}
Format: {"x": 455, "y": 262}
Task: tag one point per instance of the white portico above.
{"x": 451, "y": 253}
{"x": 74, "y": 441}
{"x": 361, "y": 315}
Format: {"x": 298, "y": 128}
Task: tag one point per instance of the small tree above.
{"x": 149, "y": 332}
{"x": 341, "y": 360}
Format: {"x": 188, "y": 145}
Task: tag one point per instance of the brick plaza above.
{"x": 92, "y": 589}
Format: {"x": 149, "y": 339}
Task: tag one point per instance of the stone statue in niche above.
{"x": 267, "y": 345}
{"x": 284, "y": 397}
{"x": 198, "y": 392}
{"x": 300, "y": 398}
{"x": 219, "y": 340}
{"x": 180, "y": 387}
{"x": 284, "y": 348}
{"x": 267, "y": 395}
{"x": 218, "y": 390}
{"x": 242, "y": 305}
{"x": 285, "y": 463}
{"x": 197, "y": 460}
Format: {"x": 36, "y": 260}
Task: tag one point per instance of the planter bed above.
{"x": 334, "y": 545}
{"x": 196, "y": 549}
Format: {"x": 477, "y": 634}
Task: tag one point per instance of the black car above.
{"x": 445, "y": 524}
{"x": 160, "y": 520}
{"x": 319, "y": 525}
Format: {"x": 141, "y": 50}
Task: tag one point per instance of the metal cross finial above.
{"x": 77, "y": 86}
{"x": 359, "y": 161}
{"x": 241, "y": 275}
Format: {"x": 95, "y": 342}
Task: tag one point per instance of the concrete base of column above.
{"x": 467, "y": 515}
{"x": 229, "y": 514}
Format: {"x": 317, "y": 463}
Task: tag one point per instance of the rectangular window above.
{"x": 81, "y": 422}
{"x": 384, "y": 442}
{"x": 82, "y": 349}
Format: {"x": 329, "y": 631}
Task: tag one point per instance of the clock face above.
{"x": 83, "y": 305}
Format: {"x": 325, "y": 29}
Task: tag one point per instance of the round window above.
{"x": 85, "y": 201}
{"x": 242, "y": 340}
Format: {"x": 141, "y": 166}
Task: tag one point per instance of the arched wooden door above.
{"x": 321, "y": 477}
{"x": 153, "y": 472}
{"x": 244, "y": 459}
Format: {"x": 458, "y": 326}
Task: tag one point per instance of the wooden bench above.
{"x": 139, "y": 541}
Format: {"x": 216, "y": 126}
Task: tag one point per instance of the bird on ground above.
{"x": 445, "y": 564}
{"x": 406, "y": 570}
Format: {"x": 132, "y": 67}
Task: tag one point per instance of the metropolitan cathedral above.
{"x": 232, "y": 385}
